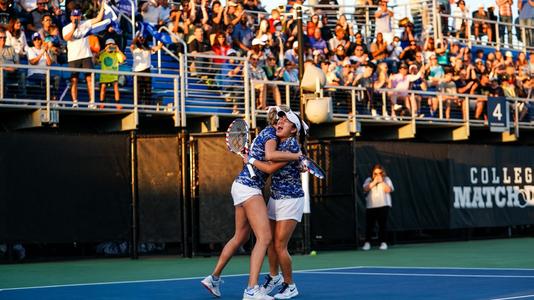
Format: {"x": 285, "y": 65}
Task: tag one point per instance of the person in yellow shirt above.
{"x": 110, "y": 58}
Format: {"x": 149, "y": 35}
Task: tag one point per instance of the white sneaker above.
{"x": 366, "y": 246}
{"x": 212, "y": 285}
{"x": 287, "y": 291}
{"x": 255, "y": 293}
{"x": 383, "y": 246}
{"x": 373, "y": 112}
{"x": 397, "y": 106}
{"x": 271, "y": 283}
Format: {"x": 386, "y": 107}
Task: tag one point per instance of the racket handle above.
{"x": 251, "y": 171}
{"x": 249, "y": 167}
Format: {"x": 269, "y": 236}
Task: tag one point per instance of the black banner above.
{"x": 64, "y": 188}
{"x": 217, "y": 169}
{"x": 491, "y": 186}
{"x": 159, "y": 176}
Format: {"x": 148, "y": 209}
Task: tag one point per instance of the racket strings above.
{"x": 237, "y": 136}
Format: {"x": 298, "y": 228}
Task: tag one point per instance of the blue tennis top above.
{"x": 257, "y": 151}
{"x": 286, "y": 183}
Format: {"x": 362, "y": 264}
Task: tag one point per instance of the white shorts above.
{"x": 241, "y": 193}
{"x": 285, "y": 209}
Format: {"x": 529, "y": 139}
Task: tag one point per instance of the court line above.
{"x": 515, "y": 297}
{"x": 419, "y": 274}
{"x": 246, "y": 274}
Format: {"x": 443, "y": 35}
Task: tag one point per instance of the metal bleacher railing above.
{"x": 189, "y": 84}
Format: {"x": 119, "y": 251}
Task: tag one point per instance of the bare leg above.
{"x": 89, "y": 81}
{"x": 241, "y": 236}
{"x": 256, "y": 213}
{"x": 117, "y": 93}
{"x": 74, "y": 88}
{"x": 271, "y": 253}
{"x": 284, "y": 230}
{"x": 102, "y": 92}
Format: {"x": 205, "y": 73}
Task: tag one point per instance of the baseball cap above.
{"x": 110, "y": 41}
{"x": 231, "y": 51}
{"x": 36, "y": 35}
{"x": 76, "y": 13}
{"x": 257, "y": 41}
{"x": 509, "y": 54}
{"x": 295, "y": 44}
{"x": 293, "y": 118}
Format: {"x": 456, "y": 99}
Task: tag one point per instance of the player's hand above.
{"x": 245, "y": 158}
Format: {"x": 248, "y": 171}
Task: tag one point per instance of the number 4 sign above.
{"x": 498, "y": 114}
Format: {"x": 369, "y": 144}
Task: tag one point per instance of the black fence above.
{"x": 171, "y": 192}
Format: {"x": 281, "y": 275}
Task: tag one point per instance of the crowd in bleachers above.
{"x": 53, "y": 32}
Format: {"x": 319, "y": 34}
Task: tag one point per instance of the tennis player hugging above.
{"x": 274, "y": 151}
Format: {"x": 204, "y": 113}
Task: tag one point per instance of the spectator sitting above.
{"x": 509, "y": 59}
{"x": 257, "y": 73}
{"x": 36, "y": 16}
{"x": 9, "y": 56}
{"x": 273, "y": 73}
{"x": 291, "y": 72}
{"x": 447, "y": 86}
{"x": 460, "y": 14}
{"x": 379, "y": 48}
{"x": 313, "y": 25}
{"x": 394, "y": 49}
{"x": 400, "y": 82}
{"x": 79, "y": 51}
{"x": 257, "y": 49}
{"x": 346, "y": 26}
{"x": 199, "y": 44}
{"x": 408, "y": 54}
{"x": 292, "y": 54}
{"x": 482, "y": 88}
{"x": 220, "y": 47}
{"x": 15, "y": 36}
{"x": 110, "y": 58}
{"x": 228, "y": 79}
{"x": 417, "y": 83}
{"x": 435, "y": 73}
{"x": 317, "y": 42}
{"x": 521, "y": 65}
{"x": 338, "y": 39}
{"x": 358, "y": 42}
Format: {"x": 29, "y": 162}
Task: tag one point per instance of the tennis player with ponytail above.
{"x": 251, "y": 213}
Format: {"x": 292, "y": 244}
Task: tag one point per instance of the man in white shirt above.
{"x": 79, "y": 53}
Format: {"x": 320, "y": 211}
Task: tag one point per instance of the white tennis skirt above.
{"x": 285, "y": 209}
{"x": 241, "y": 193}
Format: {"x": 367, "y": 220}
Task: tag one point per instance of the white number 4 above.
{"x": 497, "y": 112}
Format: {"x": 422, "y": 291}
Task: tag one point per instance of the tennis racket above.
{"x": 237, "y": 140}
{"x": 312, "y": 167}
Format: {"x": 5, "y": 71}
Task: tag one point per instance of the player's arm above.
{"x": 264, "y": 166}
{"x": 271, "y": 154}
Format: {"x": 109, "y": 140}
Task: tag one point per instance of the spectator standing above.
{"x": 481, "y": 26}
{"x": 460, "y": 14}
{"x": 9, "y": 56}
{"x": 257, "y": 73}
{"x": 79, "y": 53}
{"x": 15, "y": 36}
{"x": 400, "y": 83}
{"x": 220, "y": 47}
{"x": 151, "y": 12}
{"x": 383, "y": 17}
{"x": 200, "y": 44}
{"x": 110, "y": 58}
{"x": 142, "y": 63}
{"x": 378, "y": 203}
{"x": 39, "y": 55}
{"x": 317, "y": 42}
{"x": 526, "y": 18}
{"x": 6, "y": 13}
{"x": 36, "y": 15}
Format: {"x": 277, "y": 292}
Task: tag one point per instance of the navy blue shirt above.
{"x": 286, "y": 183}
{"x": 257, "y": 151}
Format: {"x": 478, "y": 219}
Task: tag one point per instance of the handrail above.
{"x": 174, "y": 35}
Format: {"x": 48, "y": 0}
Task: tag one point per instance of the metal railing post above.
{"x": 176, "y": 111}
{"x": 516, "y": 116}
{"x": 1, "y": 83}
{"x": 384, "y": 104}
{"x": 92, "y": 90}
{"x": 466, "y": 115}
{"x": 136, "y": 100}
{"x": 524, "y": 38}
{"x": 497, "y": 35}
{"x": 183, "y": 82}
{"x": 246, "y": 79}
{"x": 48, "y": 114}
